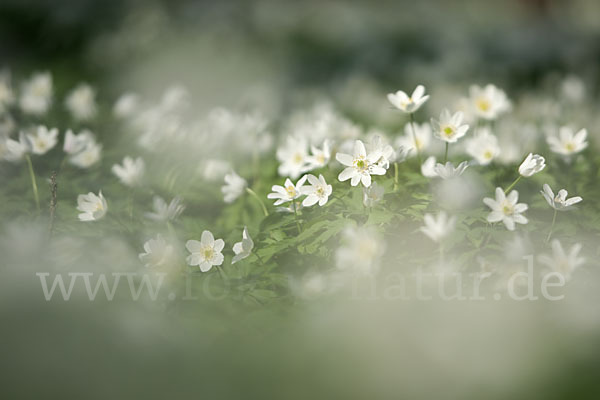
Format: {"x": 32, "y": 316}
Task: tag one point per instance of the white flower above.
{"x": 359, "y": 166}
{"x": 319, "y": 157}
{"x": 234, "y": 187}
{"x": 573, "y": 89}
{"x": 386, "y": 152}
{"x": 483, "y": 147}
{"x": 488, "y": 102}
{"x": 506, "y": 209}
{"x": 560, "y": 202}
{"x": 449, "y": 127}
{"x": 36, "y": 94}
{"x": 318, "y": 191}
{"x": 293, "y": 157}
{"x": 437, "y": 228}
{"x": 16, "y": 149}
{"x": 81, "y": 102}
{"x": 448, "y": 171}
{"x": 131, "y": 172}
{"x": 562, "y": 262}
{"x": 422, "y": 138}
{"x": 126, "y": 105}
{"x": 360, "y": 251}
{"x": 567, "y": 142}
{"x": 428, "y": 167}
{"x": 206, "y": 252}
{"x": 286, "y": 193}
{"x": 373, "y": 194}
{"x": 87, "y": 157}
{"x": 532, "y": 164}
{"x": 163, "y": 212}
{"x": 76, "y": 143}
{"x": 43, "y": 140}
{"x": 157, "y": 252}
{"x": 409, "y": 105}
{"x": 92, "y": 207}
{"x": 242, "y": 249}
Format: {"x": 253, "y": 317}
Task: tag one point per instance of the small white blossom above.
{"x": 92, "y": 206}
{"x": 206, "y": 252}
{"x": 483, "y": 147}
{"x": 163, "y": 211}
{"x": 488, "y": 102}
{"x": 449, "y": 127}
{"x": 378, "y": 146}
{"x": 234, "y": 187}
{"x": 373, "y": 194}
{"x": 76, "y": 143}
{"x": 428, "y": 167}
{"x": 289, "y": 192}
{"x": 157, "y": 252}
{"x": 568, "y": 143}
{"x": 87, "y": 157}
{"x": 359, "y": 166}
{"x": 448, "y": 171}
{"x": 36, "y": 94}
{"x": 560, "y": 201}
{"x": 506, "y": 209}
{"x": 318, "y": 191}
{"x": 43, "y": 140}
{"x": 319, "y": 157}
{"x": 532, "y": 164}
{"x": 16, "y": 149}
{"x": 437, "y": 228}
{"x": 360, "y": 251}
{"x": 81, "y": 102}
{"x": 411, "y": 104}
{"x": 131, "y": 172}
{"x": 293, "y": 157}
{"x": 244, "y": 248}
{"x": 421, "y": 140}
{"x": 126, "y": 105}
{"x": 562, "y": 262}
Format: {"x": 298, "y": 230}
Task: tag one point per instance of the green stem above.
{"x": 552, "y": 226}
{"x": 296, "y": 216}
{"x": 414, "y": 135}
{"x": 395, "y": 176}
{"x": 33, "y": 182}
{"x": 222, "y": 273}
{"x": 262, "y": 205}
{"x": 512, "y": 185}
{"x": 446, "y": 153}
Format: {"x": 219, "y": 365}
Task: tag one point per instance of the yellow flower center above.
{"x": 570, "y": 147}
{"x": 361, "y": 164}
{"x": 448, "y": 131}
{"x": 297, "y": 158}
{"x": 507, "y": 209}
{"x": 488, "y": 155}
{"x": 291, "y": 191}
{"x": 320, "y": 192}
{"x": 483, "y": 104}
{"x": 208, "y": 253}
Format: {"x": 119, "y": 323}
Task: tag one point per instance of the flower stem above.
{"x": 296, "y": 217}
{"x": 414, "y": 136}
{"x": 446, "y": 153}
{"x": 33, "y": 182}
{"x": 552, "y": 226}
{"x": 395, "y": 176}
{"x": 262, "y": 205}
{"x": 512, "y": 185}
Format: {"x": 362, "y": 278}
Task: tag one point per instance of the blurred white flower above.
{"x": 409, "y": 105}
{"x": 87, "y": 157}
{"x": 76, "y": 143}
{"x": 422, "y": 138}
{"x": 244, "y": 248}
{"x": 373, "y": 194}
{"x": 360, "y": 251}
{"x": 449, "y": 128}
{"x": 157, "y": 252}
{"x": 483, "y": 147}
{"x": 318, "y": 191}
{"x": 437, "y": 228}
{"x": 488, "y": 102}
{"x": 562, "y": 262}
{"x": 234, "y": 187}
{"x": 292, "y": 157}
{"x": 16, "y": 149}
{"x": 36, "y": 94}
{"x": 360, "y": 166}
{"x": 573, "y": 89}
{"x": 319, "y": 157}
{"x": 206, "y": 252}
{"x": 126, "y": 105}
{"x": 81, "y": 102}
{"x": 215, "y": 169}
{"x": 92, "y": 206}
{"x": 428, "y": 167}
{"x": 43, "y": 140}
{"x": 163, "y": 211}
{"x": 386, "y": 152}
{"x": 131, "y": 172}
{"x": 447, "y": 171}
{"x": 568, "y": 142}
{"x": 506, "y": 209}
{"x": 560, "y": 201}
{"x": 289, "y": 192}
{"x": 532, "y": 164}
